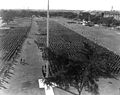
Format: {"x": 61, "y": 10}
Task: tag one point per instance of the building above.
{"x": 114, "y": 14}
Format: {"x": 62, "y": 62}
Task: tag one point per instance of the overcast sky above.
{"x": 61, "y": 4}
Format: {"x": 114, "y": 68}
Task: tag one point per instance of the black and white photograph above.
{"x": 59, "y": 47}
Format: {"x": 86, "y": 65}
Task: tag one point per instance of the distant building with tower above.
{"x": 112, "y": 13}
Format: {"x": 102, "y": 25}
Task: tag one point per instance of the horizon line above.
{"x": 53, "y": 9}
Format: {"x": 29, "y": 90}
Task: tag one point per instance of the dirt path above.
{"x": 25, "y": 80}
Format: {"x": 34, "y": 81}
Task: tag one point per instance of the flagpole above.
{"x": 48, "y": 24}
{"x": 47, "y": 63}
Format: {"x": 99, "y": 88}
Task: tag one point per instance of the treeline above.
{"x": 99, "y": 19}
{"x": 69, "y": 15}
{"x": 9, "y": 15}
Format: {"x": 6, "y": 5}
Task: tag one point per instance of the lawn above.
{"x": 25, "y": 78}
{"x": 104, "y": 36}
{"x": 63, "y": 39}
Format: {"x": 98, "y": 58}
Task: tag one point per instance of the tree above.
{"x": 85, "y": 16}
{"x": 80, "y": 74}
{"x": 7, "y": 15}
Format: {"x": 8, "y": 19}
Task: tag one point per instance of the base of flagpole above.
{"x": 48, "y": 89}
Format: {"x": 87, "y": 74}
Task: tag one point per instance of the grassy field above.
{"x": 11, "y": 45}
{"x": 25, "y": 78}
{"x": 106, "y": 37}
{"x": 63, "y": 39}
